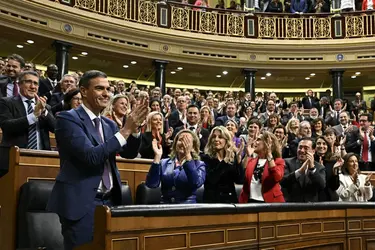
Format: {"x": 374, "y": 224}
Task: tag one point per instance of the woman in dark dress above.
{"x": 223, "y": 167}
{"x": 155, "y": 130}
{"x": 323, "y": 155}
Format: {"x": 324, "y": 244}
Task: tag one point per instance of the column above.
{"x": 160, "y": 67}
{"x": 62, "y": 57}
{"x": 250, "y": 81}
{"x": 337, "y": 83}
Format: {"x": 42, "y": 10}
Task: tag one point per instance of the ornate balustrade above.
{"x": 190, "y": 18}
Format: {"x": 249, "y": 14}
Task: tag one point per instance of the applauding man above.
{"x": 303, "y": 177}
{"x": 88, "y": 144}
{"x": 25, "y": 119}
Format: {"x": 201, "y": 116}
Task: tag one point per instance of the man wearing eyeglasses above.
{"x": 25, "y": 119}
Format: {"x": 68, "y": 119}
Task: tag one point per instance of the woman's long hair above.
{"x": 229, "y": 147}
{"x": 346, "y": 158}
{"x": 196, "y": 144}
{"x": 275, "y": 147}
{"x": 149, "y": 120}
{"x": 328, "y": 154}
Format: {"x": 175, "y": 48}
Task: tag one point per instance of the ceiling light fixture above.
{"x": 84, "y": 53}
{"x": 30, "y": 41}
{"x": 19, "y": 46}
{"x": 312, "y": 74}
{"x": 133, "y": 62}
{"x": 354, "y": 77}
{"x": 268, "y": 74}
{"x": 357, "y": 73}
{"x": 180, "y": 68}
{"x": 225, "y": 72}
{"x": 218, "y": 76}
{"x": 307, "y": 78}
{"x": 74, "y": 57}
{"x": 263, "y": 78}
{"x": 125, "y": 66}
{"x": 173, "y": 72}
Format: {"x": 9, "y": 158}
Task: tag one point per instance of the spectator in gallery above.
{"x": 275, "y": 6}
{"x": 299, "y": 6}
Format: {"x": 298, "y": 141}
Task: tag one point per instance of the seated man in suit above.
{"x": 193, "y": 117}
{"x": 8, "y": 82}
{"x": 231, "y": 110}
{"x": 178, "y": 116}
{"x": 88, "y": 144}
{"x": 49, "y": 84}
{"x": 26, "y": 119}
{"x": 303, "y": 177}
{"x": 67, "y": 83}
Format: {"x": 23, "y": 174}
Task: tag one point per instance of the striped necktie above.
{"x": 32, "y": 142}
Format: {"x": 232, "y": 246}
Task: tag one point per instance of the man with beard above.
{"x": 303, "y": 178}
{"x": 8, "y": 82}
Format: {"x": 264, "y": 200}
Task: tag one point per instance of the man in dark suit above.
{"x": 48, "y": 85}
{"x": 25, "y": 119}
{"x": 193, "y": 118}
{"x": 344, "y": 125}
{"x": 178, "y": 116}
{"x": 309, "y": 101}
{"x": 67, "y": 83}
{"x": 230, "y": 111}
{"x": 333, "y": 117}
{"x": 303, "y": 177}
{"x": 88, "y": 144}
{"x": 8, "y": 82}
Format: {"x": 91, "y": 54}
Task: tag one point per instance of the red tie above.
{"x": 365, "y": 148}
{"x": 15, "y": 88}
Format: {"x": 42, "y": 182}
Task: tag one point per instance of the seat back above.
{"x": 147, "y": 196}
{"x": 238, "y": 189}
{"x": 37, "y": 227}
{"x": 199, "y": 194}
{"x": 126, "y": 195}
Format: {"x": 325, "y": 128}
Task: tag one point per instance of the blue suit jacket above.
{"x": 178, "y": 184}
{"x": 82, "y": 159}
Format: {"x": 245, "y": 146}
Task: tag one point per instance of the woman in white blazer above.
{"x": 354, "y": 186}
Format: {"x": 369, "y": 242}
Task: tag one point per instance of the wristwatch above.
{"x": 269, "y": 158}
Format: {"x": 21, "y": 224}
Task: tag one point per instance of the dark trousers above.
{"x": 79, "y": 232}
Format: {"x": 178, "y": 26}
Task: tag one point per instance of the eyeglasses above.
{"x": 30, "y": 82}
{"x": 77, "y": 99}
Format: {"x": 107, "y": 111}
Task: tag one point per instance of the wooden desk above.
{"x": 322, "y": 229}
{"x": 28, "y": 165}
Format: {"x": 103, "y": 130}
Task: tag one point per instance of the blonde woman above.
{"x": 207, "y": 118}
{"x": 354, "y": 186}
{"x": 155, "y": 131}
{"x": 118, "y": 110}
{"x": 182, "y": 173}
{"x": 263, "y": 173}
{"x": 292, "y": 128}
{"x": 223, "y": 167}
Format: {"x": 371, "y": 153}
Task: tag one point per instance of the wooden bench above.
{"x": 323, "y": 226}
{"x": 27, "y": 165}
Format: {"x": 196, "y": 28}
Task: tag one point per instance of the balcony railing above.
{"x": 220, "y": 22}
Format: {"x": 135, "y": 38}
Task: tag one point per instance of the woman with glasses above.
{"x": 264, "y": 171}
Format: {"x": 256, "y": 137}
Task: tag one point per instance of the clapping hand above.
{"x": 135, "y": 119}
{"x": 169, "y": 133}
{"x": 337, "y": 166}
{"x": 310, "y": 160}
{"x": 368, "y": 178}
{"x": 187, "y": 144}
{"x": 40, "y": 105}
{"x": 158, "y": 150}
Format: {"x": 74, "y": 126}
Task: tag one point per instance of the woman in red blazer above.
{"x": 264, "y": 171}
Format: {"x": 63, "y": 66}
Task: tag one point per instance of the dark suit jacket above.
{"x": 203, "y": 136}
{"x": 56, "y": 102}
{"x": 174, "y": 120}
{"x": 146, "y": 150}
{"x": 314, "y": 183}
{"x": 4, "y": 80}
{"x": 82, "y": 160}
{"x": 306, "y": 103}
{"x": 14, "y": 124}
{"x": 45, "y": 88}
{"x": 373, "y": 105}
{"x": 220, "y": 121}
{"x": 332, "y": 120}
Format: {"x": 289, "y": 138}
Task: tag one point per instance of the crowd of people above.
{"x": 307, "y": 150}
{"x": 290, "y": 6}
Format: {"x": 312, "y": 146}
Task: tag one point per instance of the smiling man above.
{"x": 88, "y": 144}
{"x": 25, "y": 119}
{"x": 8, "y": 82}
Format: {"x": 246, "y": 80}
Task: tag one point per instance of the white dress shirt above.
{"x": 31, "y": 119}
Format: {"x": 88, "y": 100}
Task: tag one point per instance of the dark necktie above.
{"x": 32, "y": 142}
{"x": 15, "y": 88}
{"x": 192, "y": 128}
{"x": 105, "y": 176}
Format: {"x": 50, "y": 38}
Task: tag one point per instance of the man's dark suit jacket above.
{"x": 56, "y": 102}
{"x": 306, "y": 103}
{"x": 45, "y": 88}
{"x": 4, "y": 80}
{"x": 220, "y": 121}
{"x": 203, "y": 136}
{"x": 14, "y": 124}
{"x": 292, "y": 188}
{"x": 352, "y": 145}
{"x": 82, "y": 161}
{"x": 174, "y": 120}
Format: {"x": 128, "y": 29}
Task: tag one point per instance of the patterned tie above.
{"x": 15, "y": 88}
{"x": 365, "y": 148}
{"x": 32, "y": 142}
{"x": 105, "y": 176}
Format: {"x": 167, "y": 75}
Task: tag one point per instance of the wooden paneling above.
{"x": 28, "y": 165}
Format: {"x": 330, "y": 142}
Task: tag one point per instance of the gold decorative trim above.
{"x": 311, "y": 223}
{"x": 326, "y": 222}
{"x": 131, "y": 238}
{"x": 37, "y": 165}
{"x": 354, "y": 229}
{"x": 210, "y": 231}
{"x": 363, "y": 224}
{"x": 162, "y": 235}
{"x": 273, "y": 232}
{"x": 240, "y": 241}
{"x": 355, "y": 238}
{"x": 288, "y": 235}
